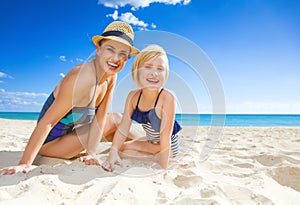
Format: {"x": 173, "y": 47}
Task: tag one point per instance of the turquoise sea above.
{"x": 202, "y": 119}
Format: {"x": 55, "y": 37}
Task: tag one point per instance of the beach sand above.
{"x": 244, "y": 165}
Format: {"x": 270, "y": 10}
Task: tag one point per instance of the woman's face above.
{"x": 113, "y": 56}
{"x": 152, "y": 74}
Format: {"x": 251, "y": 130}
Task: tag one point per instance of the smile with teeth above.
{"x": 112, "y": 65}
{"x": 152, "y": 80}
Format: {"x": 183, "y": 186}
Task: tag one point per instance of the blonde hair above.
{"x": 151, "y": 51}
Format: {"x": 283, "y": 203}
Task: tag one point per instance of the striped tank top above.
{"x": 151, "y": 124}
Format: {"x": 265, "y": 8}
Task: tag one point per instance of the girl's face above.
{"x": 113, "y": 56}
{"x": 152, "y": 74}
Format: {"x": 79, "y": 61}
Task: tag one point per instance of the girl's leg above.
{"x": 140, "y": 150}
{"x": 141, "y": 146}
{"x": 112, "y": 122}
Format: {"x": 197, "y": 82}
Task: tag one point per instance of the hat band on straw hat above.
{"x": 118, "y": 34}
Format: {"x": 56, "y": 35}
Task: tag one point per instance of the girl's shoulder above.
{"x": 168, "y": 94}
{"x": 133, "y": 94}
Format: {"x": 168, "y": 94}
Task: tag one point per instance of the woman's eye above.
{"x": 110, "y": 50}
{"x": 123, "y": 55}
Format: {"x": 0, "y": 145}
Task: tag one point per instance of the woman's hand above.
{"x": 113, "y": 158}
{"x": 89, "y": 160}
{"x": 15, "y": 169}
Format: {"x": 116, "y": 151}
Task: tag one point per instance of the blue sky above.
{"x": 254, "y": 46}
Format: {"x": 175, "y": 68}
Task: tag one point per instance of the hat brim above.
{"x": 96, "y": 40}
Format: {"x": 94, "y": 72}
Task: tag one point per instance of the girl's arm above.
{"x": 120, "y": 135}
{"x": 167, "y": 123}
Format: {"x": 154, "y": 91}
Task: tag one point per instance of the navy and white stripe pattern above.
{"x": 154, "y": 138}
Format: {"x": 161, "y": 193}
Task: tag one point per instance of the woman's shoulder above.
{"x": 78, "y": 71}
{"x": 81, "y": 76}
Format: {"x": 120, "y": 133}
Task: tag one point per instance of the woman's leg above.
{"x": 66, "y": 146}
{"x": 71, "y": 145}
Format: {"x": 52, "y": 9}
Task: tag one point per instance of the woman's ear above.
{"x": 98, "y": 49}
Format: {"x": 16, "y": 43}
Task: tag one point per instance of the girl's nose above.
{"x": 153, "y": 72}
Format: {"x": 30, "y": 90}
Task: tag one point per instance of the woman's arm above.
{"x": 167, "y": 123}
{"x": 61, "y": 105}
{"x": 97, "y": 126}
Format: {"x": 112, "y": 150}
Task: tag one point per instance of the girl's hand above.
{"x": 156, "y": 166}
{"x": 89, "y": 160}
{"x": 113, "y": 158}
{"x": 23, "y": 168}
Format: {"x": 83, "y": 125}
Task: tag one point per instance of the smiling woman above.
{"x": 74, "y": 117}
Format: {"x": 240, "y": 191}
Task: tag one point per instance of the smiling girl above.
{"x": 153, "y": 107}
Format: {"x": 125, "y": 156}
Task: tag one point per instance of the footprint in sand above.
{"x": 287, "y": 176}
{"x": 187, "y": 181}
{"x": 244, "y": 165}
{"x": 195, "y": 201}
{"x": 268, "y": 160}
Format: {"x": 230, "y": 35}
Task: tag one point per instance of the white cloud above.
{"x": 63, "y": 58}
{"x": 21, "y": 101}
{"x": 186, "y": 2}
{"x": 26, "y": 94}
{"x": 139, "y": 4}
{"x": 79, "y": 60}
{"x": 62, "y": 75}
{"x": 4, "y": 75}
{"x": 114, "y": 16}
{"x": 129, "y": 18}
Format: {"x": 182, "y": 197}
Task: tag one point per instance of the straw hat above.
{"x": 118, "y": 31}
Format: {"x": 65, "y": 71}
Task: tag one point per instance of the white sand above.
{"x": 249, "y": 165}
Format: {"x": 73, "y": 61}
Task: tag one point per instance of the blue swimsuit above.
{"x": 76, "y": 116}
{"x": 151, "y": 124}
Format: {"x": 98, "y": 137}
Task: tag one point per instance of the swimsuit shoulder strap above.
{"x": 95, "y": 86}
{"x": 158, "y": 97}
{"x": 137, "y": 104}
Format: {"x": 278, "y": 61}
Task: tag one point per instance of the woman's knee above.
{"x": 114, "y": 118}
{"x": 112, "y": 122}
